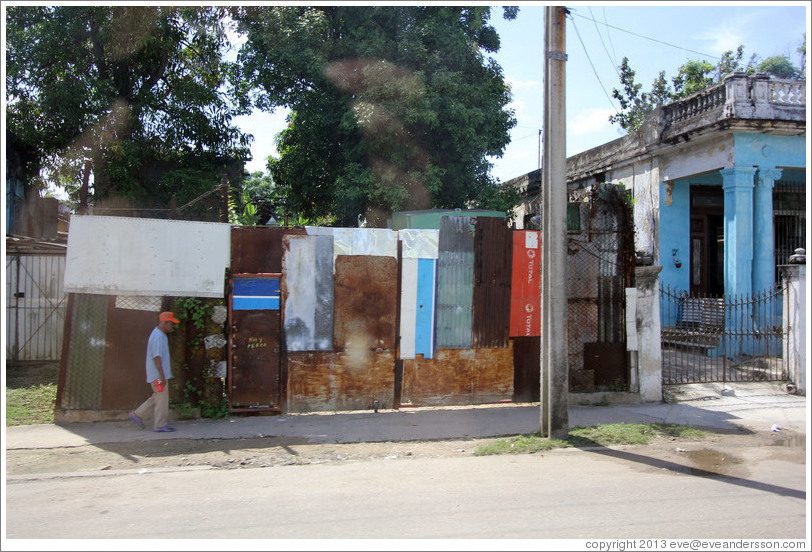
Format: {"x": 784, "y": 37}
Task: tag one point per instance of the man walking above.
{"x": 159, "y": 372}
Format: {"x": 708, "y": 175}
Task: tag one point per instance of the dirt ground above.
{"x": 716, "y": 452}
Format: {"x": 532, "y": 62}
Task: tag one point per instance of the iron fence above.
{"x": 720, "y": 338}
{"x": 600, "y": 263}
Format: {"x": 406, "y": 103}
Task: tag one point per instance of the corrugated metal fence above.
{"x": 35, "y": 306}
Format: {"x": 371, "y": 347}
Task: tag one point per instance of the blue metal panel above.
{"x": 455, "y": 283}
{"x": 424, "y": 319}
{"x": 255, "y": 294}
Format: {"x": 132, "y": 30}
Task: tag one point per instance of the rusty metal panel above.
{"x": 128, "y": 327}
{"x": 129, "y": 256}
{"x": 330, "y": 381}
{"x": 84, "y": 369}
{"x": 459, "y": 377}
{"x": 527, "y": 369}
{"x": 365, "y": 302}
{"x": 258, "y": 250}
{"x": 455, "y": 283}
{"x": 492, "y": 283}
{"x": 308, "y": 293}
{"x": 254, "y": 363}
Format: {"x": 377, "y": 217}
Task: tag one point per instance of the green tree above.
{"x": 392, "y": 108}
{"x": 692, "y": 76}
{"x": 780, "y": 67}
{"x": 133, "y": 97}
{"x": 634, "y": 104}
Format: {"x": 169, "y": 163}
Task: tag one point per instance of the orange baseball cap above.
{"x": 164, "y": 316}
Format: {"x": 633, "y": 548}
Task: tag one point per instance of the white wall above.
{"x": 134, "y": 256}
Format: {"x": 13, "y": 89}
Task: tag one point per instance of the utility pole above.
{"x": 554, "y": 394}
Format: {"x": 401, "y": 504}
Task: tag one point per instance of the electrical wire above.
{"x": 574, "y": 26}
{"x": 571, "y": 13}
{"x": 611, "y": 59}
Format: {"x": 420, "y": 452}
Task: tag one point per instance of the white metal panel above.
{"x": 131, "y": 256}
{"x": 420, "y": 243}
{"x": 408, "y": 307}
{"x": 359, "y": 241}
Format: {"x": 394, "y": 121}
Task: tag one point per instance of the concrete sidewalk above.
{"x": 752, "y": 406}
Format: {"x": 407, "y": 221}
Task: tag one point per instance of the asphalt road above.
{"x": 628, "y": 493}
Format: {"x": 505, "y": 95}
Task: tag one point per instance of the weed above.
{"x": 30, "y": 405}
{"x": 600, "y": 435}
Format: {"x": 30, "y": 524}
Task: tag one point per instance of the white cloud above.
{"x": 590, "y": 121}
{"x": 517, "y": 84}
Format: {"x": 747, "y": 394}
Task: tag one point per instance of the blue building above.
{"x": 718, "y": 181}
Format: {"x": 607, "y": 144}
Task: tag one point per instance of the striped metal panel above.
{"x": 418, "y": 291}
{"x": 309, "y": 297}
{"x": 455, "y": 283}
{"x": 417, "y": 307}
{"x": 255, "y": 294}
{"x": 492, "y": 283}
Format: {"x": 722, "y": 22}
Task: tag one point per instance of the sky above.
{"x": 654, "y": 36}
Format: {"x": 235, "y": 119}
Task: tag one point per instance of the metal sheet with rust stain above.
{"x": 493, "y": 255}
{"x": 366, "y": 298}
{"x": 258, "y": 250}
{"x": 459, "y": 377}
{"x": 308, "y": 293}
{"x": 254, "y": 362}
{"x": 325, "y": 381}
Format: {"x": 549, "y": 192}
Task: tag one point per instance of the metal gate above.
{"x": 721, "y": 339}
{"x": 254, "y": 358}
{"x": 35, "y": 306}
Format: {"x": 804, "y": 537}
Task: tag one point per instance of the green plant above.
{"x": 215, "y": 411}
{"x": 186, "y": 410}
{"x": 197, "y": 312}
{"x": 617, "y": 385}
{"x": 30, "y": 405}
{"x": 599, "y": 435}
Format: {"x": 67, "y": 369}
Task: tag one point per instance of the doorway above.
{"x": 707, "y": 240}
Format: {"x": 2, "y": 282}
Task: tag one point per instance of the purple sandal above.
{"x": 138, "y": 421}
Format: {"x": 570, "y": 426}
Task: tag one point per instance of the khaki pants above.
{"x": 157, "y": 405}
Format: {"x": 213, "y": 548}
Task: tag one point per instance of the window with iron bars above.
{"x": 789, "y": 220}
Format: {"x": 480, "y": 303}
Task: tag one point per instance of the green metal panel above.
{"x": 85, "y": 366}
{"x": 430, "y": 218}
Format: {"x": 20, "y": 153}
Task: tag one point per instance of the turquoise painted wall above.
{"x": 675, "y": 234}
{"x": 768, "y": 150}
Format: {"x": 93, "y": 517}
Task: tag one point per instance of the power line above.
{"x": 574, "y": 26}
{"x": 645, "y": 37}
{"x": 611, "y": 59}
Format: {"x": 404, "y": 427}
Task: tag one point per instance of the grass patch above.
{"x": 601, "y": 435}
{"x": 30, "y": 405}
